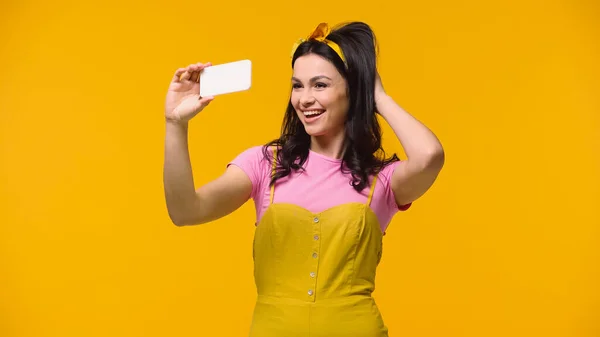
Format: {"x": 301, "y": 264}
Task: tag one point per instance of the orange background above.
{"x": 505, "y": 244}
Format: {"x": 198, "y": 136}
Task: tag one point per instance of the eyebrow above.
{"x": 313, "y": 79}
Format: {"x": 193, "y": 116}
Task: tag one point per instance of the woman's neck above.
{"x": 332, "y": 146}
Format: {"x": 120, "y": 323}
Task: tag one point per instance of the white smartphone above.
{"x": 226, "y": 78}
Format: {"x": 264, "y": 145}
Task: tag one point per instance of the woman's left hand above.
{"x": 379, "y": 91}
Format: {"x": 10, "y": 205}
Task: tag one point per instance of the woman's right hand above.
{"x": 183, "y": 100}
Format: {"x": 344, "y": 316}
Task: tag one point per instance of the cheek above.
{"x": 295, "y": 100}
{"x": 293, "y": 97}
{"x": 340, "y": 107}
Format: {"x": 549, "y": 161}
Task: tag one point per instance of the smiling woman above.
{"x": 325, "y": 92}
{"x": 323, "y": 191}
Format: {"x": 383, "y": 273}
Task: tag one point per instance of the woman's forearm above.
{"x": 178, "y": 179}
{"x": 421, "y": 146}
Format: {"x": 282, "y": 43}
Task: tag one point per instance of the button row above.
{"x": 314, "y": 255}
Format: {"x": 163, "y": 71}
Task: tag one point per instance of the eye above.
{"x": 320, "y": 85}
{"x": 296, "y": 86}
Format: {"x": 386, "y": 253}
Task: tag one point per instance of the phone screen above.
{"x": 226, "y": 78}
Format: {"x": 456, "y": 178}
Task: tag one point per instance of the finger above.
{"x": 177, "y": 75}
{"x": 193, "y": 67}
{"x": 186, "y": 75}
{"x": 196, "y": 75}
{"x": 206, "y": 99}
{"x": 189, "y": 70}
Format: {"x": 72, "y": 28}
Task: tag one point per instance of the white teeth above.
{"x": 312, "y": 112}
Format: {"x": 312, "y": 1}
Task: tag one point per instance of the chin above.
{"x": 314, "y": 132}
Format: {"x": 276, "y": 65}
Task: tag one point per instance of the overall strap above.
{"x": 273, "y": 173}
{"x": 372, "y": 190}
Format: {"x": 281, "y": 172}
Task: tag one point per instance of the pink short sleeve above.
{"x": 384, "y": 201}
{"x": 256, "y": 167}
{"x": 386, "y": 174}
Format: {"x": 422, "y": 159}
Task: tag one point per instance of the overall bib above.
{"x": 315, "y": 272}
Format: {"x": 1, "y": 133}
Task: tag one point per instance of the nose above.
{"x": 307, "y": 98}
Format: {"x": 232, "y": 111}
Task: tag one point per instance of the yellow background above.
{"x": 505, "y": 244}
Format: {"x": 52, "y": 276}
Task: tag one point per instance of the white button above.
{"x": 312, "y": 274}
{"x": 310, "y": 292}
{"x": 316, "y": 219}
{"x": 315, "y": 255}
{"x": 316, "y": 237}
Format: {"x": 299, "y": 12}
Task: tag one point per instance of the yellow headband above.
{"x": 319, "y": 34}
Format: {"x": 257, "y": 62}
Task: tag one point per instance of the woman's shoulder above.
{"x": 256, "y": 153}
{"x": 255, "y": 160}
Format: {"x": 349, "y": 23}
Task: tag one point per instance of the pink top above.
{"x": 320, "y": 186}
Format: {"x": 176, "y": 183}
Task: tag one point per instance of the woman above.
{"x": 323, "y": 192}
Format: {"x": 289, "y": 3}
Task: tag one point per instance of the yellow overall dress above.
{"x": 315, "y": 272}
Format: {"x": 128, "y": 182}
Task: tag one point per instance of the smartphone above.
{"x": 226, "y": 78}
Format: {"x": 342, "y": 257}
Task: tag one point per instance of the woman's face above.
{"x": 319, "y": 95}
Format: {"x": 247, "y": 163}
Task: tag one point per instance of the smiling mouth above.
{"x": 313, "y": 113}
